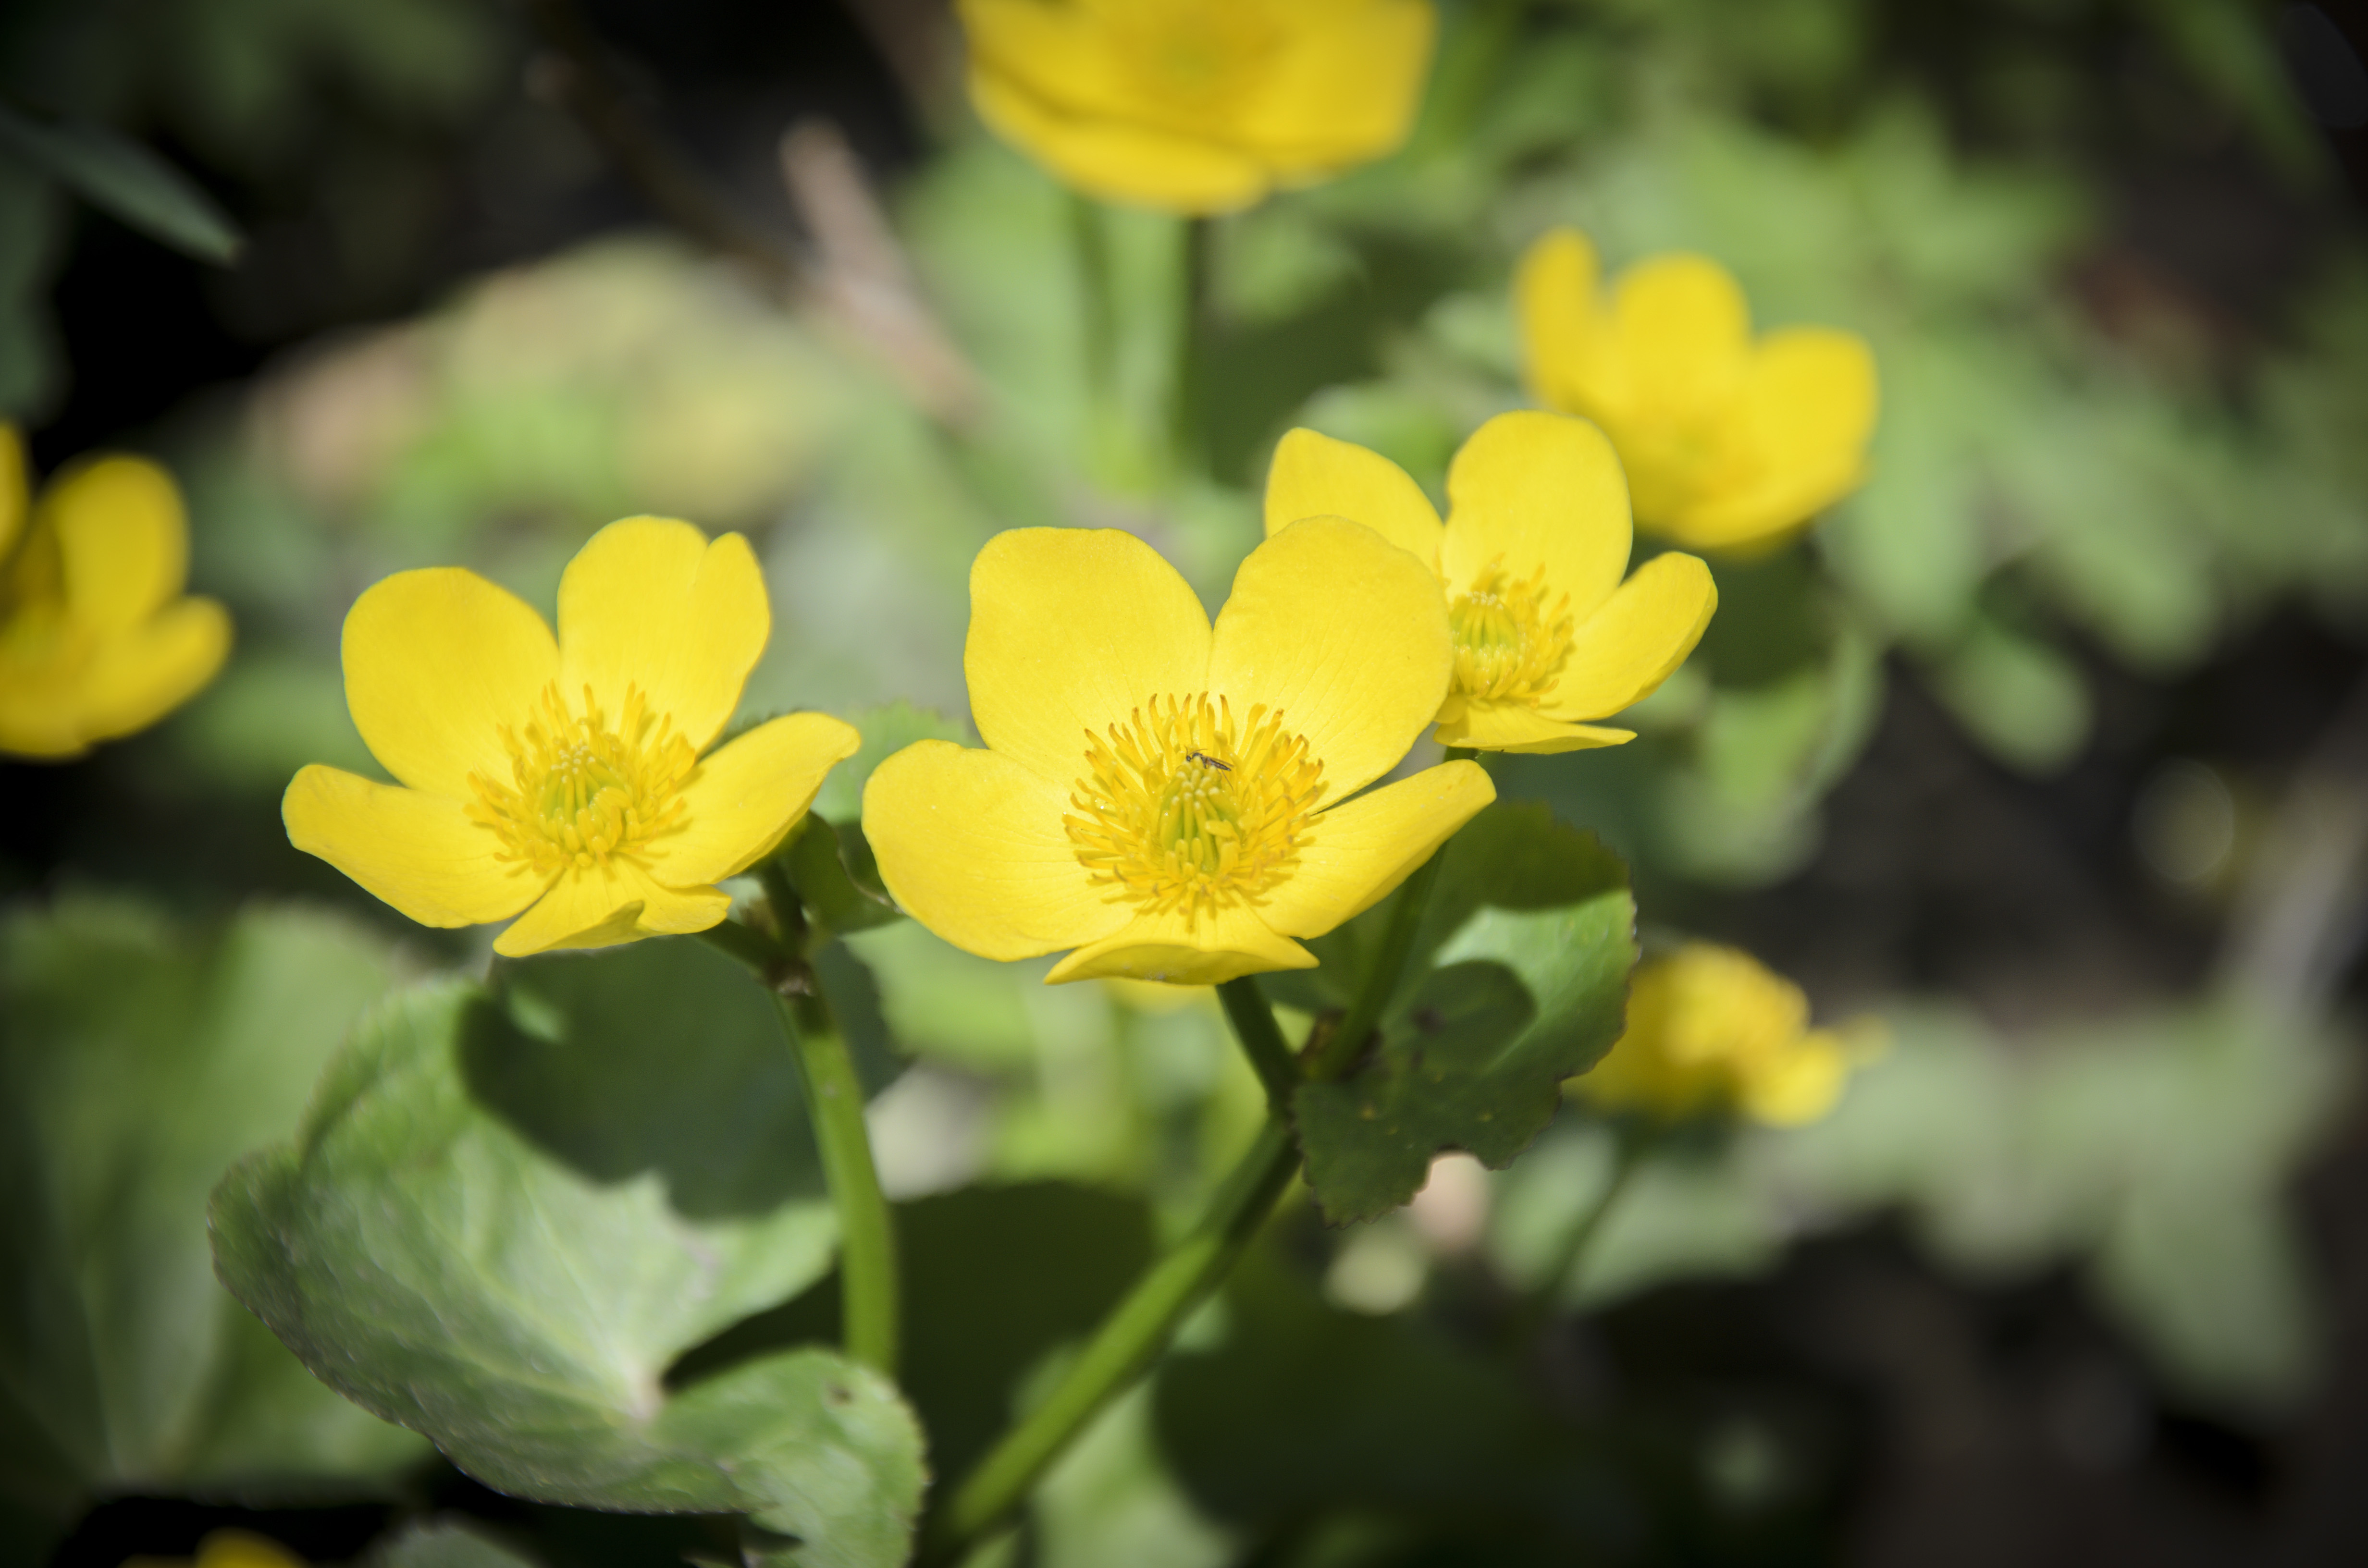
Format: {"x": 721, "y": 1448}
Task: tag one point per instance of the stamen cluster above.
{"x": 1184, "y": 808}
{"x": 581, "y": 791}
{"x": 1509, "y": 641}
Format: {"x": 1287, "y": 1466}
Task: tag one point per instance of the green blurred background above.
{"x": 2049, "y": 749}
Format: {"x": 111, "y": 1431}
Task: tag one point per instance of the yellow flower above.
{"x": 1729, "y": 441}
{"x": 1198, "y": 106}
{"x": 566, "y": 775}
{"x": 1710, "y": 1032}
{"x": 1172, "y": 800}
{"x": 1545, "y": 634}
{"x": 97, "y": 640}
{"x": 227, "y": 1549}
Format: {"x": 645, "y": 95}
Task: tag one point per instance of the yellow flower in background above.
{"x": 1173, "y": 801}
{"x": 97, "y": 640}
{"x": 1546, "y": 636}
{"x": 565, "y": 779}
{"x": 227, "y": 1549}
{"x": 1198, "y": 106}
{"x": 1711, "y": 1031}
{"x": 1729, "y": 441}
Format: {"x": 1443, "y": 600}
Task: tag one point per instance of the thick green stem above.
{"x": 1100, "y": 325}
{"x": 1135, "y": 1332}
{"x": 866, "y": 1235}
{"x": 1191, "y": 324}
{"x": 1262, "y": 1042}
{"x": 1537, "y": 1307}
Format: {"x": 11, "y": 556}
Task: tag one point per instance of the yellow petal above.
{"x": 600, "y": 906}
{"x": 743, "y": 800}
{"x": 1518, "y": 727}
{"x": 1071, "y": 631}
{"x": 1623, "y": 651}
{"x": 40, "y": 710}
{"x": 1316, "y": 476}
{"x": 1533, "y": 490}
{"x": 1343, "y": 90}
{"x": 1802, "y": 426}
{"x": 1121, "y": 162}
{"x": 1800, "y": 1085}
{"x": 1212, "y": 949}
{"x": 1346, "y": 635}
{"x": 11, "y": 488}
{"x": 1055, "y": 53}
{"x": 138, "y": 678}
{"x": 437, "y": 662}
{"x": 122, "y": 539}
{"x": 970, "y": 845}
{"x": 1562, "y": 339}
{"x": 1685, "y": 337}
{"x": 1363, "y": 849}
{"x": 649, "y": 602}
{"x": 419, "y": 852}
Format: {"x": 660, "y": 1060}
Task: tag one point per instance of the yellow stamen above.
{"x": 581, "y": 791}
{"x": 1510, "y": 643}
{"x": 1182, "y": 807}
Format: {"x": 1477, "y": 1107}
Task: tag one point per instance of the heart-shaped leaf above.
{"x": 517, "y": 1282}
{"x": 1520, "y": 980}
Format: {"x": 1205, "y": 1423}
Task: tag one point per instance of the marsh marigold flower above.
{"x": 227, "y": 1549}
{"x": 1546, "y": 636}
{"x": 1174, "y": 801}
{"x": 1198, "y": 106}
{"x": 97, "y": 640}
{"x": 569, "y": 779}
{"x": 1730, "y": 441}
{"x": 1712, "y": 1032}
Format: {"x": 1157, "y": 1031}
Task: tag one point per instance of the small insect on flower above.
{"x": 1207, "y": 761}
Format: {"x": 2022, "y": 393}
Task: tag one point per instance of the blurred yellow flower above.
{"x": 1169, "y": 800}
{"x": 1711, "y": 1032}
{"x": 227, "y": 1549}
{"x": 567, "y": 775}
{"x": 1198, "y": 106}
{"x": 97, "y": 640}
{"x": 1729, "y": 441}
{"x": 1545, "y": 634}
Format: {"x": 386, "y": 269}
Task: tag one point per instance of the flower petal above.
{"x": 1684, "y": 339}
{"x": 600, "y": 906}
{"x": 436, "y": 663}
{"x": 1316, "y": 476}
{"x": 1623, "y": 651}
{"x": 743, "y": 799}
{"x": 1344, "y": 88}
{"x": 1055, "y": 53}
{"x": 1363, "y": 849}
{"x": 136, "y": 679}
{"x": 13, "y": 497}
{"x": 1111, "y": 159}
{"x": 1346, "y": 635}
{"x": 1500, "y": 726}
{"x": 1216, "y": 946}
{"x": 1799, "y": 1084}
{"x": 1534, "y": 490}
{"x": 419, "y": 852}
{"x": 1071, "y": 631}
{"x": 650, "y": 602}
{"x": 1802, "y": 423}
{"x": 122, "y": 538}
{"x": 970, "y": 845}
{"x": 1563, "y": 337}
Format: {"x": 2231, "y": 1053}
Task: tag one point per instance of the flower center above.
{"x": 1183, "y": 808}
{"x": 1510, "y": 643}
{"x": 581, "y": 791}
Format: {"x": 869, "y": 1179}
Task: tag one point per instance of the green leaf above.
{"x": 818, "y": 861}
{"x": 512, "y": 1270}
{"x": 137, "y": 1060}
{"x": 444, "y": 1544}
{"x": 886, "y": 730}
{"x": 127, "y": 179}
{"x": 1523, "y": 984}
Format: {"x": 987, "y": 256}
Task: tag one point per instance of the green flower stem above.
{"x": 833, "y": 1095}
{"x": 1197, "y": 240}
{"x": 1262, "y": 1042}
{"x": 1099, "y": 327}
{"x": 1537, "y": 1307}
{"x": 1135, "y": 1332}
{"x": 866, "y": 1235}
